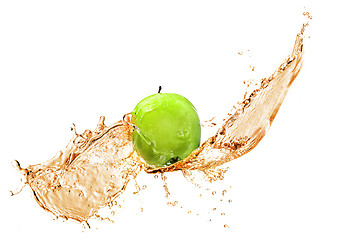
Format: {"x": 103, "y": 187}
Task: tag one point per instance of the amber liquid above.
{"x": 96, "y": 166}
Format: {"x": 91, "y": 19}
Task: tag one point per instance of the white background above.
{"x": 64, "y": 62}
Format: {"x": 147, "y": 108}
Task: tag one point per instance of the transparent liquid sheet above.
{"x": 96, "y": 166}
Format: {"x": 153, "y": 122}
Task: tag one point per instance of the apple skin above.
{"x": 168, "y": 128}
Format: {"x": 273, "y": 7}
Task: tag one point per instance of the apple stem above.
{"x": 159, "y": 89}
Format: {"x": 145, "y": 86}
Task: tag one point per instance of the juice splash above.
{"x": 96, "y": 166}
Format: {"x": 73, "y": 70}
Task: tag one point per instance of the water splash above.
{"x": 244, "y": 129}
{"x": 96, "y": 166}
{"x": 89, "y": 173}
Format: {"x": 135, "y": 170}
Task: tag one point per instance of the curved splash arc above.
{"x": 248, "y": 125}
{"x": 88, "y": 174}
{"x": 96, "y": 166}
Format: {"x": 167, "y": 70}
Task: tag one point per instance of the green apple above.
{"x": 167, "y": 128}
